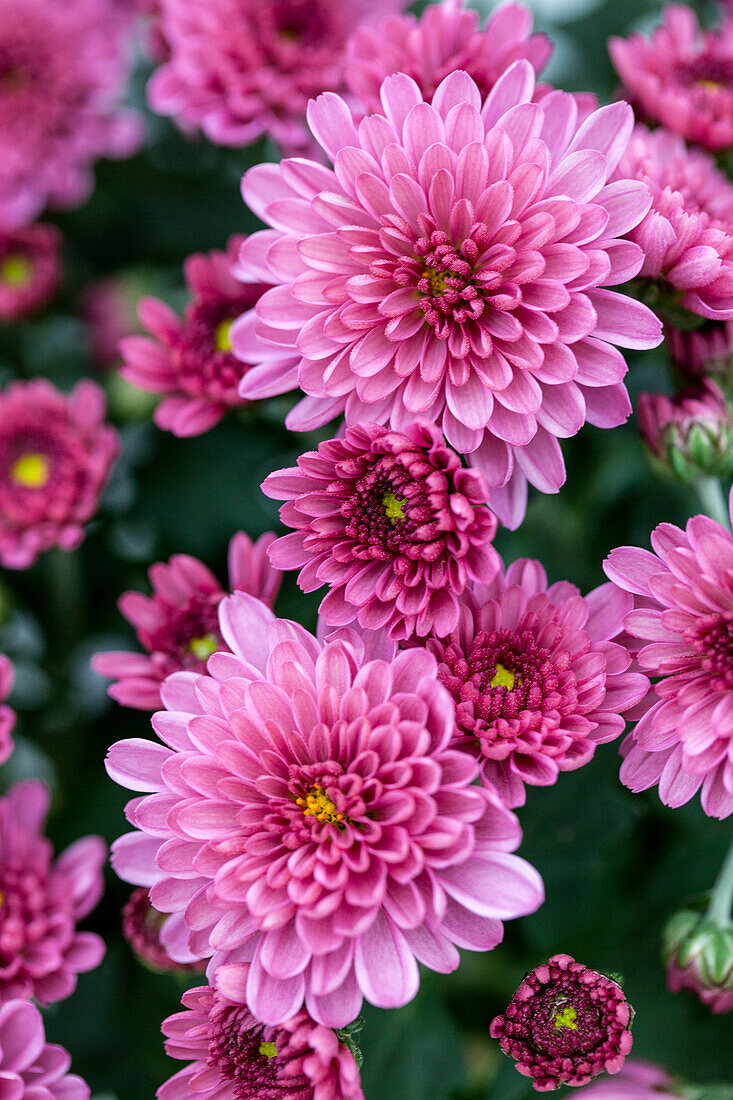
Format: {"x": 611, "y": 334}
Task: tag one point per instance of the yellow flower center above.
{"x": 437, "y": 280}
{"x": 567, "y": 1017}
{"x": 203, "y": 647}
{"x": 269, "y": 1050}
{"x": 15, "y": 270}
{"x": 505, "y": 678}
{"x": 222, "y": 337}
{"x": 317, "y": 804}
{"x": 393, "y": 507}
{"x": 31, "y": 470}
{"x": 710, "y": 85}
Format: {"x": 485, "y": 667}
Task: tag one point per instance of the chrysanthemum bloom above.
{"x": 239, "y": 69}
{"x": 56, "y": 454}
{"x": 699, "y": 956}
{"x": 565, "y": 1024}
{"x": 449, "y": 269}
{"x": 235, "y": 1057}
{"x": 537, "y": 677}
{"x": 392, "y": 522}
{"x": 704, "y": 351}
{"x": 178, "y": 626}
{"x": 7, "y": 714}
{"x": 311, "y": 817}
{"x": 637, "y": 1080}
{"x": 31, "y": 1068}
{"x": 683, "y": 623}
{"x": 690, "y": 435}
{"x": 30, "y": 268}
{"x": 681, "y": 76}
{"x": 687, "y": 236}
{"x": 141, "y": 927}
{"x": 63, "y": 68}
{"x": 41, "y": 951}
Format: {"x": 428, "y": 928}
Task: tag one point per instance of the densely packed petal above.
{"x": 31, "y": 1068}
{"x": 30, "y": 269}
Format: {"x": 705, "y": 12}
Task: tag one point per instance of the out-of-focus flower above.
{"x": 681, "y": 76}
{"x": 392, "y": 523}
{"x": 565, "y": 1024}
{"x": 451, "y": 268}
{"x": 636, "y": 1080}
{"x": 537, "y": 678}
{"x": 690, "y": 435}
{"x": 705, "y": 351}
{"x": 141, "y": 927}
{"x": 699, "y": 956}
{"x": 326, "y": 831}
{"x": 109, "y": 310}
{"x": 31, "y": 1068}
{"x": 178, "y": 626}
{"x": 7, "y": 714}
{"x": 63, "y": 69}
{"x": 56, "y": 454}
{"x": 30, "y": 267}
{"x": 41, "y": 951}
{"x": 238, "y": 69}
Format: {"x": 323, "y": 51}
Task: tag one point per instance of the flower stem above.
{"x": 721, "y": 898}
{"x": 713, "y": 500}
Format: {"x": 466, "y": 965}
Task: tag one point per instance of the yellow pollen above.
{"x": 15, "y": 270}
{"x": 269, "y": 1050}
{"x": 317, "y": 804}
{"x": 222, "y": 336}
{"x": 393, "y": 507}
{"x": 437, "y": 280}
{"x": 567, "y": 1017}
{"x": 31, "y": 470}
{"x": 505, "y": 678}
{"x": 710, "y": 85}
{"x": 203, "y": 647}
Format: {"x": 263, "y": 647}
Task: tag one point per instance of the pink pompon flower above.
{"x": 31, "y": 1068}
{"x": 636, "y": 1080}
{"x": 30, "y": 269}
{"x": 141, "y": 927}
{"x": 537, "y": 677}
{"x": 687, "y": 236}
{"x": 405, "y": 530}
{"x": 565, "y": 1024}
{"x": 235, "y": 1057}
{"x": 63, "y": 68}
{"x": 446, "y": 37}
{"x": 7, "y": 714}
{"x": 238, "y": 69}
{"x": 178, "y": 626}
{"x": 681, "y": 76}
{"x": 450, "y": 267}
{"x": 311, "y": 818}
{"x": 683, "y": 619}
{"x": 41, "y": 951}
{"x": 56, "y": 454}
{"x": 189, "y": 360}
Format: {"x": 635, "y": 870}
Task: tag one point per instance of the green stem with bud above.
{"x": 719, "y": 910}
{"x": 713, "y": 500}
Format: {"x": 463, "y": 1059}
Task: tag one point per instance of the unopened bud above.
{"x": 699, "y": 957}
{"x": 688, "y": 436}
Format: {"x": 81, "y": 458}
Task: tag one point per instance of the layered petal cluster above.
{"x": 235, "y": 1057}
{"x": 451, "y": 267}
{"x": 141, "y": 927}
{"x": 307, "y": 814}
{"x": 238, "y": 69}
{"x": 31, "y": 1068}
{"x": 637, "y": 1080}
{"x": 393, "y": 524}
{"x": 56, "y": 454}
{"x": 30, "y": 269}
{"x": 7, "y": 714}
{"x": 178, "y": 626}
{"x": 537, "y": 677}
{"x": 189, "y": 360}
{"x": 682, "y": 620}
{"x": 687, "y": 236}
{"x": 705, "y": 351}
{"x": 41, "y": 951}
{"x": 681, "y": 76}
{"x": 63, "y": 69}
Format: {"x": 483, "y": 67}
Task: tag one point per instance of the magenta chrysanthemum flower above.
{"x": 681, "y": 76}
{"x": 31, "y": 1068}
{"x": 7, "y": 714}
{"x": 239, "y": 69}
{"x": 565, "y": 1024}
{"x": 178, "y": 626}
{"x": 325, "y": 831}
{"x": 235, "y": 1057}
{"x": 30, "y": 268}
{"x": 394, "y": 525}
{"x": 450, "y": 268}
{"x": 63, "y": 68}
{"x": 637, "y": 1080}
{"x": 537, "y": 677}
{"x": 56, "y": 454}
{"x": 683, "y": 623}
{"x": 41, "y": 951}
{"x": 141, "y": 927}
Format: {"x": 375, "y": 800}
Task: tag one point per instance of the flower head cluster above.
{"x": 41, "y": 951}
{"x": 7, "y": 714}
{"x": 141, "y": 927}
{"x": 178, "y": 626}
{"x": 690, "y": 435}
{"x": 29, "y": 1066}
{"x": 309, "y": 816}
{"x": 536, "y": 676}
{"x": 30, "y": 269}
{"x": 56, "y": 454}
{"x": 394, "y": 525}
{"x": 565, "y": 1024}
{"x": 451, "y": 267}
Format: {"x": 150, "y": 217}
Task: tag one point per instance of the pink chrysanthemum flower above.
{"x": 141, "y": 927}
{"x": 56, "y": 454}
{"x": 41, "y": 951}
{"x": 63, "y": 68}
{"x": 31, "y": 1068}
{"x": 30, "y": 268}
{"x": 235, "y": 1057}
{"x": 704, "y": 351}
{"x": 392, "y": 522}
{"x": 7, "y": 714}
{"x": 565, "y": 1024}
{"x": 683, "y": 622}
{"x": 637, "y": 1080}
{"x": 450, "y": 268}
{"x": 681, "y": 76}
{"x": 325, "y": 831}
{"x": 239, "y": 69}
{"x": 178, "y": 626}
{"x": 537, "y": 677}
